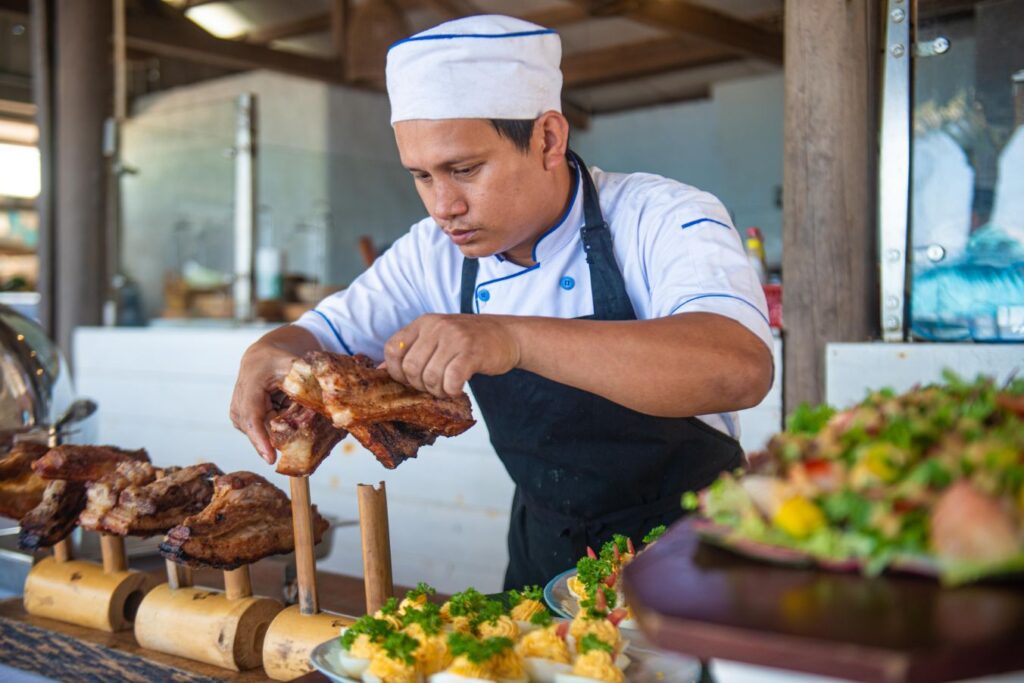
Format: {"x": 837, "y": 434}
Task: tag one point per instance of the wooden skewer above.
{"x": 305, "y": 563}
{"x": 373, "y": 526}
{"x": 112, "y": 551}
{"x": 237, "y": 583}
{"x": 178, "y": 575}
{"x": 62, "y": 550}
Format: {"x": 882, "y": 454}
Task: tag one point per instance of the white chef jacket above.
{"x": 674, "y": 244}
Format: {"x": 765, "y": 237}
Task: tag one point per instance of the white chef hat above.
{"x": 480, "y": 67}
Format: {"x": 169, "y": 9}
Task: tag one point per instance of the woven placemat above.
{"x": 64, "y": 658}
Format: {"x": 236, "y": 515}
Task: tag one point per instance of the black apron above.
{"x": 585, "y": 467}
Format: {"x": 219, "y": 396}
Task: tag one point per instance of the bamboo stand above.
{"x": 224, "y": 629}
{"x": 103, "y": 597}
{"x": 376, "y": 539}
{"x": 300, "y": 628}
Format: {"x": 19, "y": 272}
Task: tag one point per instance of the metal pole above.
{"x": 245, "y": 207}
{"x": 894, "y": 171}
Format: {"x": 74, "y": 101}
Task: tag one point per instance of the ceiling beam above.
{"x": 554, "y": 17}
{"x": 635, "y": 60}
{"x": 452, "y": 9}
{"x": 697, "y": 92}
{"x": 16, "y": 6}
{"x": 167, "y": 36}
{"x": 314, "y": 23}
{"x": 577, "y": 116}
{"x": 697, "y": 21}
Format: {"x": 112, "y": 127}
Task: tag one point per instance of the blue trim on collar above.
{"x": 337, "y": 335}
{"x": 724, "y": 296}
{"x": 450, "y": 36}
{"x": 706, "y": 220}
{"x": 476, "y": 290}
{"x": 568, "y": 210}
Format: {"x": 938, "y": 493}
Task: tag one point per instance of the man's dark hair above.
{"x": 518, "y": 131}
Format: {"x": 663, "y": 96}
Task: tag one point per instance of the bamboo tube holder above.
{"x": 376, "y": 540}
{"x": 225, "y": 629}
{"x": 300, "y": 628}
{"x": 104, "y": 597}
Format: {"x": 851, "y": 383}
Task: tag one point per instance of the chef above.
{"x": 609, "y": 325}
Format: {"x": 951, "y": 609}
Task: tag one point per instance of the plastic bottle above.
{"x": 755, "y": 253}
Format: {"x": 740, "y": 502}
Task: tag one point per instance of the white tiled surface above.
{"x": 168, "y": 390}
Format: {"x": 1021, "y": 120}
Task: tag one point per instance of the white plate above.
{"x": 646, "y": 667}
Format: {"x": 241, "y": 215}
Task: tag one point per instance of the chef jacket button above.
{"x": 567, "y": 283}
{"x": 483, "y": 295}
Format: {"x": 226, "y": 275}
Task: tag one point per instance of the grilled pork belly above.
{"x": 74, "y": 462}
{"x": 388, "y": 418}
{"x": 247, "y": 519}
{"x": 21, "y": 489}
{"x": 101, "y": 496}
{"x": 55, "y": 516}
{"x": 165, "y": 502}
{"x": 304, "y": 438}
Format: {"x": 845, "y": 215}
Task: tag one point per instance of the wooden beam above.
{"x": 556, "y": 16}
{"x": 15, "y": 6}
{"x": 697, "y": 21}
{"x": 340, "y": 19}
{"x": 829, "y": 259}
{"x": 578, "y": 116}
{"x": 452, "y": 9}
{"x": 313, "y": 23}
{"x": 165, "y": 37}
{"x": 700, "y": 22}
{"x": 635, "y": 60}
{"x": 690, "y": 94}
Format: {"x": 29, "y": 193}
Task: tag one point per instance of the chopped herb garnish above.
{"x": 467, "y": 603}
{"x": 475, "y": 650}
{"x": 376, "y": 629}
{"x": 541, "y": 618}
{"x": 592, "y": 642}
{"x": 657, "y": 532}
{"x": 421, "y": 590}
{"x": 400, "y": 647}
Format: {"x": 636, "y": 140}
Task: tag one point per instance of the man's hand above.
{"x": 439, "y": 353}
{"x": 263, "y": 367}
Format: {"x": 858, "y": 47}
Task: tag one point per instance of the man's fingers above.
{"x": 248, "y": 416}
{"x": 417, "y": 360}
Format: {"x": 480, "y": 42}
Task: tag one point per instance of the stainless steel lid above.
{"x": 35, "y": 381}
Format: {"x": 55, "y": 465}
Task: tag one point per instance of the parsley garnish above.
{"x": 421, "y": 590}
{"x": 657, "y": 532}
{"x": 541, "y": 618}
{"x": 376, "y": 629}
{"x": 400, "y": 647}
{"x": 477, "y": 651}
{"x": 592, "y": 642}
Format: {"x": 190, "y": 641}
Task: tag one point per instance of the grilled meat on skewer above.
{"x": 55, "y": 516}
{"x": 388, "y": 418}
{"x": 247, "y": 519}
{"x": 74, "y": 462}
{"x": 144, "y": 510}
{"x": 304, "y": 438}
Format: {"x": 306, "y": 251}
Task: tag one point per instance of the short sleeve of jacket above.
{"x": 695, "y": 260}
{"x": 389, "y": 295}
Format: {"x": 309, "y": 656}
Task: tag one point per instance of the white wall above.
{"x": 729, "y": 145}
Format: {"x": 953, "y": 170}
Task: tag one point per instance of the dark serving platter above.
{"x": 706, "y": 601}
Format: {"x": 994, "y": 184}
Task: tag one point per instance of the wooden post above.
{"x": 43, "y": 48}
{"x": 83, "y": 100}
{"x": 178, "y": 575}
{"x": 62, "y": 550}
{"x": 829, "y": 206}
{"x": 305, "y": 562}
{"x": 113, "y": 554}
{"x": 237, "y": 583}
{"x": 373, "y": 526}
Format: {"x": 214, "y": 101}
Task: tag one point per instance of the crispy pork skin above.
{"x": 247, "y": 519}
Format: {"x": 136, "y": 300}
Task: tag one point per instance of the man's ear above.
{"x": 553, "y": 129}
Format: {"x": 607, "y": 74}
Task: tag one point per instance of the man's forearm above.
{"x": 680, "y": 366}
{"x": 292, "y": 339}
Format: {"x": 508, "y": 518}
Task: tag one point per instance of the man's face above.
{"x": 485, "y": 193}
